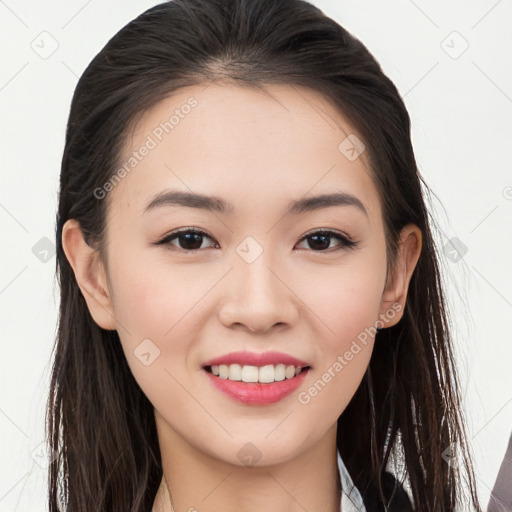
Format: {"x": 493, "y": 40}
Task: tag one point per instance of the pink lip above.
{"x": 256, "y": 393}
{"x": 254, "y": 359}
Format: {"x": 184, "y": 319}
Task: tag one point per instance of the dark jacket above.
{"x": 399, "y": 503}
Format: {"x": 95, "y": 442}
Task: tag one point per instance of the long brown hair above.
{"x": 407, "y": 407}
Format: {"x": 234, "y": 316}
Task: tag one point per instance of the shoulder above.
{"x": 400, "y": 501}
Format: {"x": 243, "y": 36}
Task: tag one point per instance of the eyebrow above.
{"x": 215, "y": 204}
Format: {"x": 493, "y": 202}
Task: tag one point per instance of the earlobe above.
{"x": 398, "y": 282}
{"x": 89, "y": 273}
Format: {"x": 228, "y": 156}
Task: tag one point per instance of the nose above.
{"x": 257, "y": 297}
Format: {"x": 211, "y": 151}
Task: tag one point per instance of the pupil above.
{"x": 315, "y": 237}
{"x": 189, "y": 240}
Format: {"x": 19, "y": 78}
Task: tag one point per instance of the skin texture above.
{"x": 258, "y": 152}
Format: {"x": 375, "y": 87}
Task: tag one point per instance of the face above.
{"x": 256, "y": 275}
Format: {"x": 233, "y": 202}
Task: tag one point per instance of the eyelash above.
{"x": 346, "y": 242}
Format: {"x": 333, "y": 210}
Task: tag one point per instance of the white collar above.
{"x": 351, "y": 500}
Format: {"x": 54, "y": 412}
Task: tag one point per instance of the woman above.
{"x": 251, "y": 313}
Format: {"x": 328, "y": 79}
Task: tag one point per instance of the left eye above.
{"x": 320, "y": 237}
{"x": 191, "y": 240}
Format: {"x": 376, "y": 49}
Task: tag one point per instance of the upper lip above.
{"x": 256, "y": 359}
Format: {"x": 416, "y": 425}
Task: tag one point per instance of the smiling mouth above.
{"x": 267, "y": 374}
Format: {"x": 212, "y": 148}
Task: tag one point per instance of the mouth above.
{"x": 267, "y": 374}
{"x": 256, "y": 385}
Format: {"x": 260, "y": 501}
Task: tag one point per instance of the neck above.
{"x": 194, "y": 481}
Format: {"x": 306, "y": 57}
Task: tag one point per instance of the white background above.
{"x": 460, "y": 104}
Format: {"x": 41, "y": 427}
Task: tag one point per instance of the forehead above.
{"x": 244, "y": 145}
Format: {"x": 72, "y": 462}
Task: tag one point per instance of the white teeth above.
{"x": 235, "y": 372}
{"x": 290, "y": 372}
{"x": 250, "y": 373}
{"x": 280, "y": 372}
{"x": 264, "y": 374}
{"x": 223, "y": 371}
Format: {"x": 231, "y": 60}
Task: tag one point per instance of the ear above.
{"x": 398, "y": 281}
{"x": 89, "y": 273}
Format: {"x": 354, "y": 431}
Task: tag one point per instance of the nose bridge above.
{"x": 255, "y": 281}
{"x": 257, "y": 295}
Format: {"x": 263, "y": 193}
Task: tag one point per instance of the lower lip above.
{"x": 255, "y": 393}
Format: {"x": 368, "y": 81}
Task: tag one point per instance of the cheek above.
{"x": 338, "y": 376}
{"x": 153, "y": 311}
{"x": 345, "y": 300}
{"x": 345, "y": 356}
{"x": 148, "y": 310}
{"x": 150, "y": 298}
{"x": 347, "y": 304}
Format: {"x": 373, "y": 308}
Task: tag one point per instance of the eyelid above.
{"x": 347, "y": 242}
{"x": 166, "y": 239}
{"x": 329, "y": 231}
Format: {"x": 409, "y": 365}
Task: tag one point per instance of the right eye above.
{"x": 190, "y": 239}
